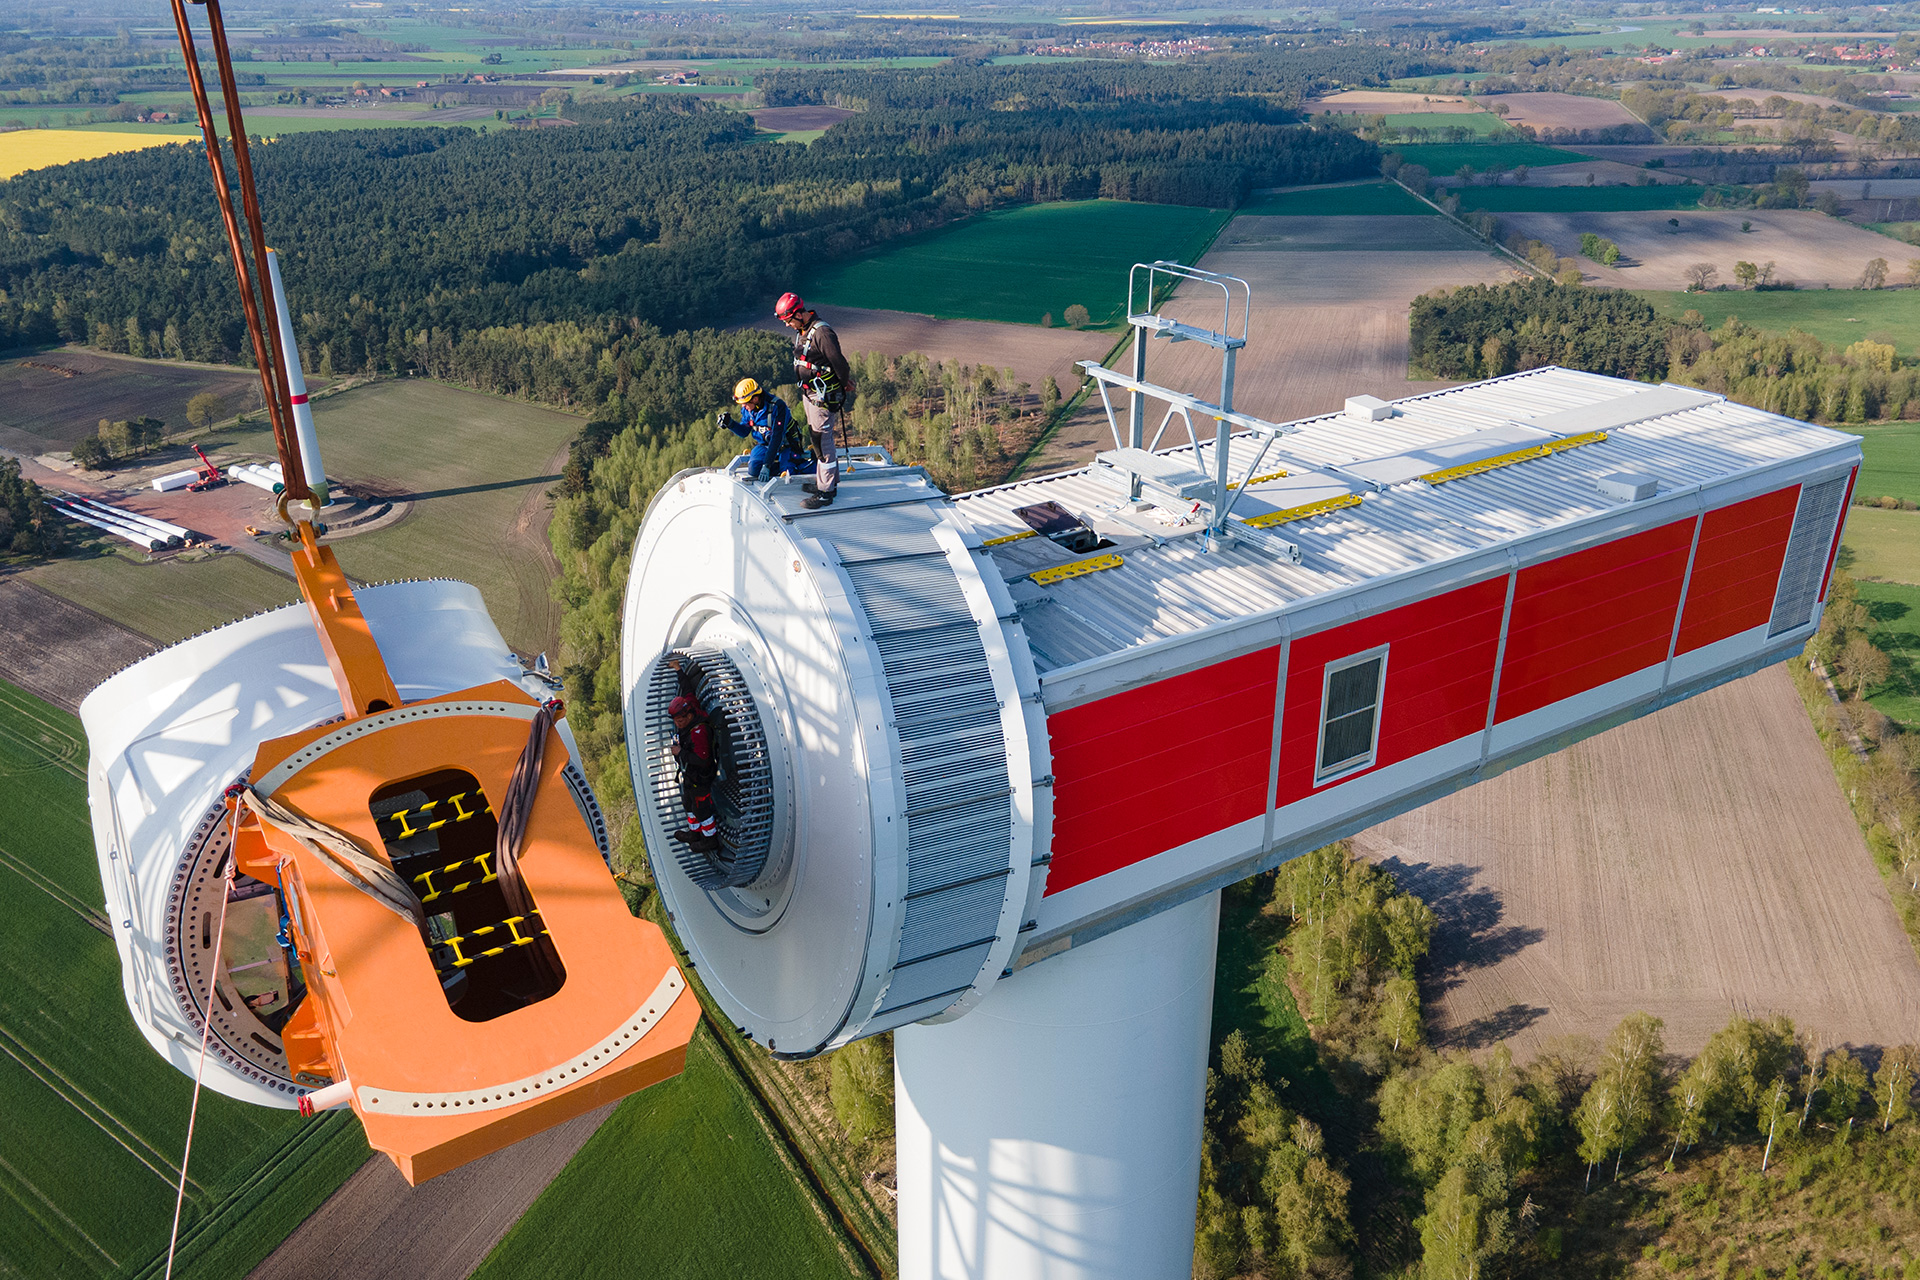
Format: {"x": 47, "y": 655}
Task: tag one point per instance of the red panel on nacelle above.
{"x": 1736, "y": 569}
{"x": 1584, "y": 619}
{"x": 1826, "y": 579}
{"x": 1146, "y": 770}
{"x": 1439, "y": 677}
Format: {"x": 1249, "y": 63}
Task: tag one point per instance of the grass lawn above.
{"x": 92, "y": 1121}
{"x": 1893, "y": 461}
{"x": 1250, "y": 995}
{"x": 1020, "y": 264}
{"x": 1895, "y": 607}
{"x": 171, "y": 599}
{"x": 1885, "y": 544}
{"x": 1579, "y": 199}
{"x": 1447, "y": 157}
{"x": 1320, "y": 202}
{"x": 681, "y": 1183}
{"x": 469, "y": 463}
{"x": 1842, "y": 316}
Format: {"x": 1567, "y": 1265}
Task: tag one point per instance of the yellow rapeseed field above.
{"x": 24, "y": 149}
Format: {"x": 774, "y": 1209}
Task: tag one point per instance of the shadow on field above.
{"x": 1469, "y": 932}
{"x": 1493, "y": 1028}
{"x": 472, "y": 488}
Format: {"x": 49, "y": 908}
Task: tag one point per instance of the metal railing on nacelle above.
{"x": 1165, "y": 474}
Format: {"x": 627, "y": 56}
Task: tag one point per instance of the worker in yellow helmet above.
{"x": 766, "y": 422}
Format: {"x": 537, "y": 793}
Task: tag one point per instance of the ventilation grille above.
{"x": 953, "y": 754}
{"x": 743, "y": 789}
{"x": 1806, "y": 555}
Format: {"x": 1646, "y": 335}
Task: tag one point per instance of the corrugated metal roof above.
{"x": 1170, "y": 583}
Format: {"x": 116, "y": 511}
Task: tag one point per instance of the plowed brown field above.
{"x": 1564, "y": 111}
{"x": 57, "y": 650}
{"x": 1692, "y": 864}
{"x": 1031, "y": 352}
{"x": 1808, "y": 248}
{"x": 1329, "y": 320}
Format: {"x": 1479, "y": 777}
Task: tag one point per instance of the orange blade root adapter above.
{"x": 473, "y": 974}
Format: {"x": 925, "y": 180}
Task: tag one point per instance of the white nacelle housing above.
{"x": 903, "y": 737}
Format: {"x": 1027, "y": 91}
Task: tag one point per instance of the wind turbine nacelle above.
{"x": 961, "y": 734}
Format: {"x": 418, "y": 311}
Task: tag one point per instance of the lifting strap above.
{"x": 343, "y": 857}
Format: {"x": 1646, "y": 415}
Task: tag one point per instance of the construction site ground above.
{"x": 1694, "y": 864}
{"x": 469, "y": 476}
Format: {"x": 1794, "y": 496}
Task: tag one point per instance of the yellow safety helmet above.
{"x": 745, "y": 390}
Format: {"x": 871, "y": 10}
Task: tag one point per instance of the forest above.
{"x": 1281, "y": 77}
{"x": 663, "y": 212}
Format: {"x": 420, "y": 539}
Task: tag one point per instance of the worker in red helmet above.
{"x": 692, "y": 748}
{"x": 826, "y": 388}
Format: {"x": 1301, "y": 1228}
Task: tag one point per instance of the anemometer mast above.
{"x": 989, "y": 757}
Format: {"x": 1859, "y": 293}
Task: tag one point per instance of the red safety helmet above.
{"x": 789, "y": 305}
{"x": 682, "y": 706}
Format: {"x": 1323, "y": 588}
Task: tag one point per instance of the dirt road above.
{"x": 376, "y": 1227}
{"x": 1691, "y": 864}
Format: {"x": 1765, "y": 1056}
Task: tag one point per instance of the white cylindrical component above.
{"x": 256, "y": 475}
{"x": 296, "y": 382}
{"x": 337, "y": 1094}
{"x": 162, "y": 528}
{"x": 175, "y": 480}
{"x": 145, "y": 539}
{"x": 1055, "y": 1131}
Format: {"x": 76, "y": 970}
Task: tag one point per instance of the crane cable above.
{"x": 206, "y": 1032}
{"x": 263, "y": 322}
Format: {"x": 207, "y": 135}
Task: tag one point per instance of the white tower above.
{"x": 988, "y": 758}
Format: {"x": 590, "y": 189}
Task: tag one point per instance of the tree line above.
{"x": 1483, "y": 331}
{"x": 28, "y": 528}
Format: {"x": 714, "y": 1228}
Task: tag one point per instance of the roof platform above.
{"x": 1342, "y": 502}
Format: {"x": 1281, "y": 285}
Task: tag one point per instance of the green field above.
{"x": 1318, "y": 202}
{"x": 1020, "y": 264}
{"x": 1893, "y": 461}
{"x": 1579, "y": 199}
{"x": 170, "y": 599}
{"x": 92, "y": 1121}
{"x": 1895, "y": 607}
{"x": 1484, "y": 123}
{"x": 1447, "y": 157}
{"x": 683, "y": 1182}
{"x": 476, "y": 469}
{"x": 1842, "y": 316}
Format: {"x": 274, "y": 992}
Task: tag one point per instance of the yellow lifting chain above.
{"x": 480, "y": 860}
{"x": 460, "y": 813}
{"x": 514, "y": 939}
